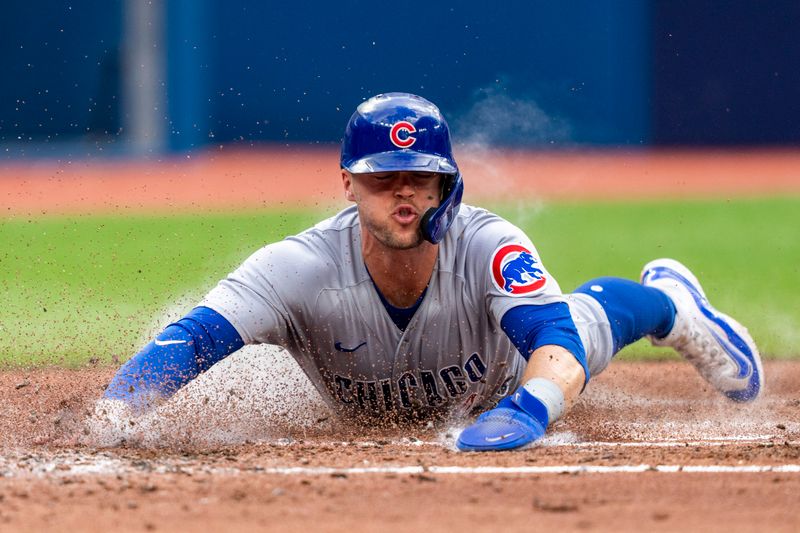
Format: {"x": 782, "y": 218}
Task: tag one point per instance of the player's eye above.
{"x": 424, "y": 178}
{"x": 419, "y": 178}
{"x": 383, "y": 176}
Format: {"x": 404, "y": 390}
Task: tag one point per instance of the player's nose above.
{"x": 404, "y": 185}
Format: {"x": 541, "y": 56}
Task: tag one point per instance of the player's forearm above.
{"x": 559, "y": 365}
{"x": 160, "y": 369}
{"x": 178, "y": 354}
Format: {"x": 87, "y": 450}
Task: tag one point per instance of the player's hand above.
{"x": 503, "y": 428}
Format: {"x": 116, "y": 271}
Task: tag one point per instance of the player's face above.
{"x": 391, "y": 204}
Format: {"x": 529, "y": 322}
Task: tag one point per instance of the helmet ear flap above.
{"x": 437, "y": 220}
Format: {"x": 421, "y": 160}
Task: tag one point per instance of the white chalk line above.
{"x": 567, "y": 440}
{"x": 710, "y": 442}
{"x": 554, "y": 469}
{"x": 114, "y": 467}
{"x": 556, "y": 441}
{"x": 69, "y": 464}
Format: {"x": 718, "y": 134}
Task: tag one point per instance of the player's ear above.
{"x": 347, "y": 181}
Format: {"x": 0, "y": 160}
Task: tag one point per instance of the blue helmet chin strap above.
{"x": 436, "y": 220}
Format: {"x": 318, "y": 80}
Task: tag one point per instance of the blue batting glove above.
{"x": 505, "y": 427}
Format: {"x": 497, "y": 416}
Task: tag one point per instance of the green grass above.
{"x": 98, "y": 287}
{"x": 86, "y": 287}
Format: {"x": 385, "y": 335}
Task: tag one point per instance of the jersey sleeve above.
{"x": 507, "y": 270}
{"x": 263, "y": 298}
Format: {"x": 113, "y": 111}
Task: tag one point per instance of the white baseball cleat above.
{"x": 717, "y": 345}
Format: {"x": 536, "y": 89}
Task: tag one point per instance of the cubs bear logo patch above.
{"x": 515, "y": 271}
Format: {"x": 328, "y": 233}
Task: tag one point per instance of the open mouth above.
{"x": 404, "y": 214}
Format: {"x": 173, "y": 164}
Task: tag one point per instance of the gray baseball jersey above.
{"x": 312, "y": 294}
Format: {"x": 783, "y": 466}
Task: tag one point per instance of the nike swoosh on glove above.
{"x": 503, "y": 428}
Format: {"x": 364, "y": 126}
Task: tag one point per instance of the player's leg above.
{"x": 632, "y": 310}
{"x": 670, "y": 308}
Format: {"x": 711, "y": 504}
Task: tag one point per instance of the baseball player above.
{"x": 411, "y": 305}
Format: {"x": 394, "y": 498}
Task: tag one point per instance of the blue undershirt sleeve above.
{"x": 179, "y": 354}
{"x": 531, "y": 326}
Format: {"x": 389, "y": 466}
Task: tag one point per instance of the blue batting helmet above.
{"x": 401, "y": 131}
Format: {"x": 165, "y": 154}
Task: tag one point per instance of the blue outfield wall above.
{"x": 726, "y": 72}
{"x": 539, "y": 73}
{"x": 59, "y": 63}
{"x": 297, "y": 73}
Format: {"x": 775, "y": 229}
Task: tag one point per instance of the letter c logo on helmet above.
{"x": 397, "y": 140}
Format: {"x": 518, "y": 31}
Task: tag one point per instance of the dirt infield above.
{"x": 648, "y": 447}
{"x": 226, "y": 180}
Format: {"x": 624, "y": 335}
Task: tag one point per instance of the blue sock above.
{"x": 633, "y": 310}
